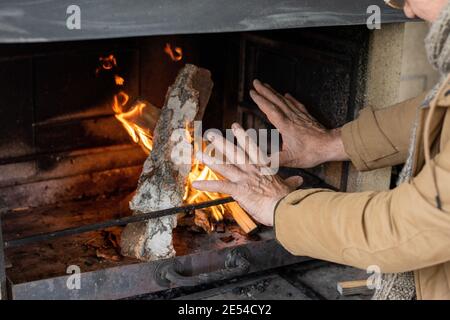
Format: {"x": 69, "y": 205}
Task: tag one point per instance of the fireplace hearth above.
{"x": 69, "y": 167}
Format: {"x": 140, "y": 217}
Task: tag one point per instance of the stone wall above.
{"x": 397, "y": 70}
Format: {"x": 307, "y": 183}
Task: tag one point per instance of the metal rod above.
{"x": 114, "y": 223}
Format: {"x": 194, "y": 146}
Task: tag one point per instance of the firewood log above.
{"x": 163, "y": 178}
{"x": 242, "y": 218}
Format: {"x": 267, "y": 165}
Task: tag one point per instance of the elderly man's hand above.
{"x": 306, "y": 143}
{"x": 247, "y": 181}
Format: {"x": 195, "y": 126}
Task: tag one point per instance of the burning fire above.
{"x": 175, "y": 54}
{"x": 201, "y": 172}
{"x": 136, "y": 122}
{"x": 129, "y": 121}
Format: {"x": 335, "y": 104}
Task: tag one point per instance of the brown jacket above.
{"x": 398, "y": 230}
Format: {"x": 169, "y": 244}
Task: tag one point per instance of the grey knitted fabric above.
{"x": 401, "y": 286}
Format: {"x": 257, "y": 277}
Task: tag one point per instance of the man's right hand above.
{"x": 306, "y": 143}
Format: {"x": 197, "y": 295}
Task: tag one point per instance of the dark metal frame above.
{"x": 42, "y": 21}
{"x": 142, "y": 278}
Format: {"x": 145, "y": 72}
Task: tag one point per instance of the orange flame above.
{"x": 175, "y": 54}
{"x": 129, "y": 121}
{"x": 133, "y": 120}
{"x": 192, "y": 196}
{"x": 119, "y": 80}
{"x": 106, "y": 63}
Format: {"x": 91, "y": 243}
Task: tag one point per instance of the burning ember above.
{"x": 139, "y": 119}
{"x": 175, "y": 54}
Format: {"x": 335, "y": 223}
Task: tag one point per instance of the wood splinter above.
{"x": 242, "y": 218}
{"x": 353, "y": 287}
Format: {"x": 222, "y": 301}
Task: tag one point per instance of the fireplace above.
{"x": 69, "y": 166}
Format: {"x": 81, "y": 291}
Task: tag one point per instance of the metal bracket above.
{"x": 169, "y": 273}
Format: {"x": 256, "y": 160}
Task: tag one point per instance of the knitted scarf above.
{"x": 401, "y": 286}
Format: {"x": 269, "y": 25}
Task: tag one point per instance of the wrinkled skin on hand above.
{"x": 246, "y": 180}
{"x": 306, "y": 143}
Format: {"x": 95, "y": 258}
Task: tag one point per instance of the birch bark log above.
{"x": 162, "y": 182}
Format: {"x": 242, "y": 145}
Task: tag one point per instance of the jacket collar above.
{"x": 443, "y": 98}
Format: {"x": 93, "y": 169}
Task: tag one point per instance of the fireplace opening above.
{"x": 68, "y": 159}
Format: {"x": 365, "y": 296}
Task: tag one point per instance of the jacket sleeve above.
{"x": 398, "y": 230}
{"x": 380, "y": 138}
